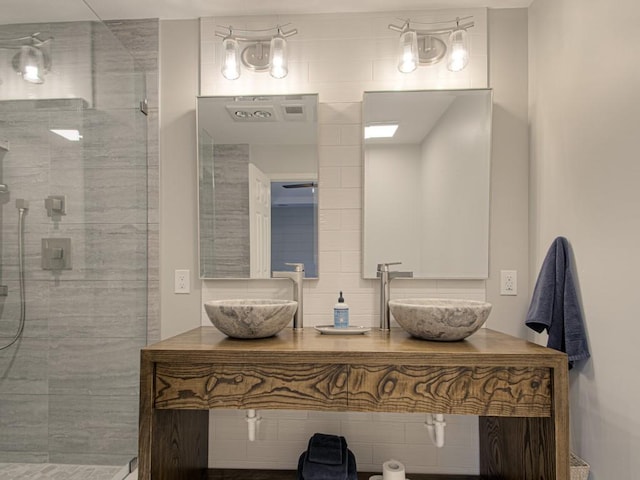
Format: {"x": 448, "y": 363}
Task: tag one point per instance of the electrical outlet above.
{"x": 508, "y": 282}
{"x": 182, "y": 283}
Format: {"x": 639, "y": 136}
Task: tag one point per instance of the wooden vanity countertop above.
{"x": 485, "y": 347}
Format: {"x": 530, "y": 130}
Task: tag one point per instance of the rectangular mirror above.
{"x": 257, "y": 185}
{"x": 426, "y": 187}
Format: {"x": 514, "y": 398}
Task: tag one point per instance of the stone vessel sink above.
{"x": 439, "y": 319}
{"x": 250, "y": 318}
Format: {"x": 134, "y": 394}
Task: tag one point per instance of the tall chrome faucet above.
{"x": 385, "y": 291}
{"x": 296, "y": 276}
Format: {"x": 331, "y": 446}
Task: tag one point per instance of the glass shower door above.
{"x": 75, "y": 151}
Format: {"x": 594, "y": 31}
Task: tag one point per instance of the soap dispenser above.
{"x": 340, "y": 313}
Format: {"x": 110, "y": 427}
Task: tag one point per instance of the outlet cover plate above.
{"x": 508, "y": 282}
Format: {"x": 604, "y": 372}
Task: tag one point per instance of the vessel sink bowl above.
{"x": 250, "y": 318}
{"x": 440, "y": 319}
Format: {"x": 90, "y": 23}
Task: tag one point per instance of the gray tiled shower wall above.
{"x": 69, "y": 389}
{"x": 230, "y": 227}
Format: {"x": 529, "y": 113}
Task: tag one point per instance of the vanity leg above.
{"x": 518, "y": 448}
{"x": 180, "y": 445}
{"x": 561, "y": 419}
{"x": 172, "y": 444}
{"x": 145, "y": 420}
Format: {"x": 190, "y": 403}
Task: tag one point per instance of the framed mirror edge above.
{"x": 289, "y": 177}
{"x": 486, "y": 264}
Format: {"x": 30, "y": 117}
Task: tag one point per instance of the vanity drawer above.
{"x": 491, "y": 391}
{"x": 288, "y": 386}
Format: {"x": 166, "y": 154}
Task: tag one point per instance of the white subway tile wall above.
{"x": 339, "y": 57}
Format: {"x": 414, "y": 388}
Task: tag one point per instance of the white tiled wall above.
{"x": 373, "y": 437}
{"x": 340, "y": 57}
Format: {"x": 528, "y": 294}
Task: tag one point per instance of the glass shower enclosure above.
{"x": 73, "y": 243}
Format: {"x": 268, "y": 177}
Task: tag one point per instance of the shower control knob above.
{"x": 56, "y": 205}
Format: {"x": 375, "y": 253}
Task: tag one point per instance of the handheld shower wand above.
{"x": 22, "y": 206}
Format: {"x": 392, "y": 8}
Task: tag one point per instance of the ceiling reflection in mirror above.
{"x": 426, "y": 184}
{"x": 257, "y": 185}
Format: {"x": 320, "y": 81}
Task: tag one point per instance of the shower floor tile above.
{"x": 48, "y": 471}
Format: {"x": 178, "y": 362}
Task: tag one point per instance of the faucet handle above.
{"x": 384, "y": 267}
{"x": 297, "y": 267}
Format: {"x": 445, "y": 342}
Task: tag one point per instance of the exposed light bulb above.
{"x": 31, "y": 74}
{"x": 31, "y": 64}
{"x": 408, "y": 51}
{"x": 458, "y": 50}
{"x": 231, "y": 57}
{"x": 278, "y": 57}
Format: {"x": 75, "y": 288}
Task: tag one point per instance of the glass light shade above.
{"x": 278, "y": 67}
{"x": 408, "y": 51}
{"x": 230, "y": 58}
{"x": 31, "y": 64}
{"x": 458, "y": 50}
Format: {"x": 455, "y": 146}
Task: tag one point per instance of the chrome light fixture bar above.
{"x": 421, "y": 47}
{"x": 33, "y": 58}
{"x": 265, "y": 50}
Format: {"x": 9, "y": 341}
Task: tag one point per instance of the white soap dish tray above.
{"x": 350, "y": 330}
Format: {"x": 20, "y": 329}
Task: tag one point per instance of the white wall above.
{"x": 509, "y": 233}
{"x": 179, "y": 56}
{"x": 373, "y": 437}
{"x": 585, "y": 173}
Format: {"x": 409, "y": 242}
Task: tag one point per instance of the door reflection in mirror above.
{"x": 294, "y": 225}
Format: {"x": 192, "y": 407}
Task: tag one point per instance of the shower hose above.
{"x": 23, "y": 313}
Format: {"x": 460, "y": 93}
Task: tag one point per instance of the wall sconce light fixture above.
{"x": 420, "y": 47}
{"x": 265, "y": 50}
{"x": 33, "y": 58}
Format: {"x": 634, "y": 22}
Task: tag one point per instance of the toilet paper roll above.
{"x": 392, "y": 470}
{"x": 379, "y": 477}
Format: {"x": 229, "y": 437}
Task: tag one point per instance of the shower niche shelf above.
{"x": 4, "y": 145}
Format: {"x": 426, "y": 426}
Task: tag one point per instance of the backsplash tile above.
{"x": 322, "y": 60}
{"x": 373, "y": 437}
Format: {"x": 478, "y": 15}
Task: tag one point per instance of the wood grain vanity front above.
{"x": 499, "y": 391}
{"x": 518, "y": 389}
{"x": 305, "y": 386}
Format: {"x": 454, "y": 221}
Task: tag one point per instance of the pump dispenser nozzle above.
{"x": 340, "y": 313}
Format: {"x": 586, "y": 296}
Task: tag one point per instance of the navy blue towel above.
{"x": 555, "y": 307}
{"x": 327, "y": 449}
{"x": 327, "y": 458}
